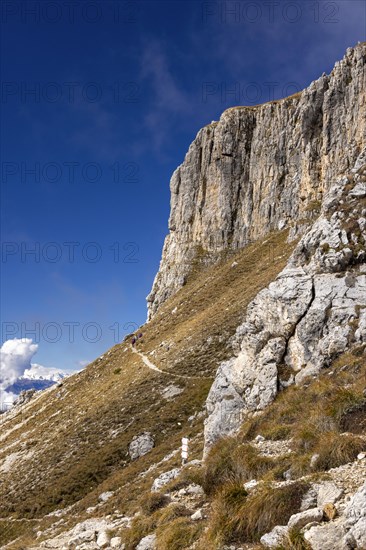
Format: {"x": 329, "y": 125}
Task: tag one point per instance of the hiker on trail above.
{"x": 140, "y": 335}
{"x": 134, "y": 339}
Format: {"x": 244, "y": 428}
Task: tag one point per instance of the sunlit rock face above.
{"x": 262, "y": 168}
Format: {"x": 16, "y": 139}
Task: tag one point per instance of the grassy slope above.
{"x": 73, "y": 440}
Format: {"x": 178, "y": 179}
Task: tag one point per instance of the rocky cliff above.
{"x": 314, "y": 311}
{"x": 262, "y": 168}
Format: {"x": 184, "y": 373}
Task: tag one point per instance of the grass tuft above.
{"x": 238, "y": 518}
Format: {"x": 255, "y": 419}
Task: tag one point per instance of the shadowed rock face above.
{"x": 262, "y": 168}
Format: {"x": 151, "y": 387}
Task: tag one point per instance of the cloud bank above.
{"x": 15, "y": 364}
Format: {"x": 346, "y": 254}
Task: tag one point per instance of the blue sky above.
{"x": 100, "y": 101}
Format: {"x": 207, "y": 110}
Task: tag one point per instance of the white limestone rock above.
{"x": 141, "y": 445}
{"x": 328, "y": 493}
{"x": 116, "y": 542}
{"x": 164, "y": 479}
{"x": 304, "y": 319}
{"x": 355, "y": 514}
{"x": 147, "y": 543}
{"x": 103, "y": 540}
{"x": 328, "y": 536}
{"x": 276, "y": 537}
{"x": 299, "y": 520}
{"x": 103, "y": 497}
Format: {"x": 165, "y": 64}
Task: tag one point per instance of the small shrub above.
{"x": 172, "y": 512}
{"x": 179, "y": 534}
{"x": 238, "y": 519}
{"x": 335, "y": 449}
{"x": 141, "y": 527}
{"x": 153, "y": 502}
{"x": 231, "y": 461}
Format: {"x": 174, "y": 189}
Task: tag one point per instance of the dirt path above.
{"x": 153, "y": 367}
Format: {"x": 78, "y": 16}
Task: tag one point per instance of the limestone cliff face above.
{"x": 313, "y": 311}
{"x": 262, "y": 168}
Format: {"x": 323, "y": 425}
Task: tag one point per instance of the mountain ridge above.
{"x": 260, "y": 169}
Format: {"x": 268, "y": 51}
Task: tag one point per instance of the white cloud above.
{"x": 39, "y": 372}
{"x": 7, "y": 399}
{"x": 16, "y": 369}
{"x": 15, "y": 358}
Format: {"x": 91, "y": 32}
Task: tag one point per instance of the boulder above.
{"x": 103, "y": 539}
{"x": 82, "y": 537}
{"x": 116, "y": 542}
{"x": 250, "y": 484}
{"x": 309, "y": 500}
{"x": 275, "y": 538}
{"x": 355, "y": 514}
{"x": 298, "y": 521}
{"x": 197, "y": 515}
{"x": 328, "y": 493}
{"x": 164, "y": 479}
{"x": 147, "y": 543}
{"x": 103, "y": 497}
{"x": 194, "y": 489}
{"x": 141, "y": 445}
{"x": 326, "y": 537}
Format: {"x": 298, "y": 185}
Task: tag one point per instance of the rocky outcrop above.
{"x": 313, "y": 311}
{"x": 141, "y": 445}
{"x": 321, "y": 532}
{"x": 147, "y": 543}
{"x": 262, "y": 168}
{"x": 164, "y": 479}
{"x": 349, "y": 531}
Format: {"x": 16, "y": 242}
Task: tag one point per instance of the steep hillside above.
{"x": 70, "y": 443}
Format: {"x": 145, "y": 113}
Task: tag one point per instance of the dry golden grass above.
{"x": 237, "y": 518}
{"x": 141, "y": 527}
{"x": 172, "y": 512}
{"x": 178, "y": 534}
{"x": 231, "y": 462}
{"x": 152, "y": 502}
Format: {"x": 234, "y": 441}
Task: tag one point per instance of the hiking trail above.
{"x": 153, "y": 367}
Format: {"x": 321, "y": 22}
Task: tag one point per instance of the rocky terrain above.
{"x": 254, "y": 351}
